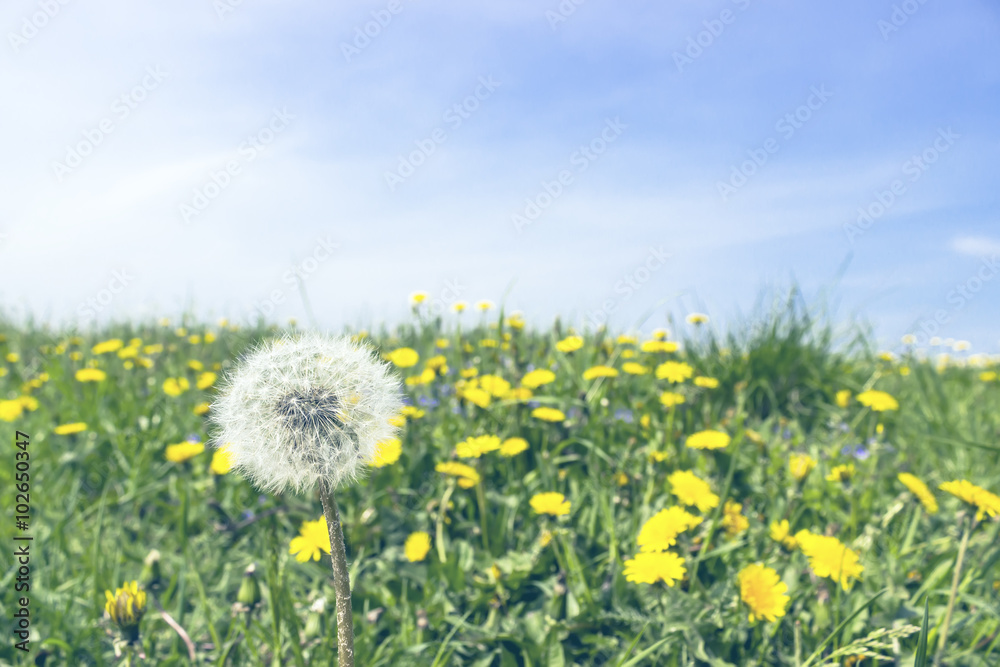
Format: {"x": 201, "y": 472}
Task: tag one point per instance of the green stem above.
{"x": 341, "y": 580}
{"x": 706, "y": 544}
{"x": 954, "y": 590}
{"x": 481, "y": 499}
{"x": 442, "y": 547}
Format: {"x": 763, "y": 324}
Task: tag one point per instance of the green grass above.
{"x": 103, "y": 498}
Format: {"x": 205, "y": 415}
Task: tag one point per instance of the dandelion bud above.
{"x": 314, "y": 621}
{"x": 151, "y": 576}
{"x": 249, "y": 593}
{"x": 126, "y": 609}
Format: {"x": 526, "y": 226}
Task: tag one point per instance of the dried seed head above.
{"x": 304, "y": 409}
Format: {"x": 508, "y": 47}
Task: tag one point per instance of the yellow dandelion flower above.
{"x": 660, "y": 531}
{"x": 625, "y": 339}
{"x": 519, "y": 394}
{"x": 418, "y": 298}
{"x": 222, "y": 461}
{"x": 474, "y": 447}
{"x": 128, "y": 352}
{"x": 828, "y": 557}
{"x": 175, "y": 386}
{"x": 843, "y": 398}
{"x": 537, "y": 378}
{"x": 477, "y": 396}
{"x": 411, "y": 412}
{"x": 800, "y": 465}
{"x": 987, "y": 503}
{"x": 202, "y": 408}
{"x": 780, "y": 531}
{"x": 841, "y": 473}
{"x": 648, "y": 568}
{"x": 206, "y": 380}
{"x": 692, "y": 491}
{"x": 488, "y": 342}
{"x": 708, "y": 439}
{"x": 920, "y": 490}
{"x": 658, "y": 346}
{"x": 494, "y": 384}
{"x": 426, "y": 377}
{"x": 671, "y": 398}
{"x": 387, "y": 452}
{"x": 91, "y": 375}
{"x": 153, "y": 349}
{"x": 697, "y": 318}
{"x": 417, "y": 546}
{"x": 706, "y": 382}
{"x": 66, "y": 429}
{"x": 634, "y": 368}
{"x": 570, "y": 344}
{"x": 484, "y": 305}
{"x": 112, "y": 345}
{"x": 732, "y": 518}
{"x": 513, "y": 446}
{"x": 600, "y": 372}
{"x": 183, "y": 451}
{"x": 11, "y": 410}
{"x": 548, "y": 414}
{"x": 879, "y": 401}
{"x": 126, "y": 607}
{"x": 403, "y": 357}
{"x": 674, "y": 371}
{"x": 467, "y": 475}
{"x": 314, "y": 537}
{"x": 437, "y": 361}
{"x": 988, "y": 376}
{"x": 763, "y": 591}
{"x": 550, "y": 503}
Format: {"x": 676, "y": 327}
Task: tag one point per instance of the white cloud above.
{"x": 976, "y": 246}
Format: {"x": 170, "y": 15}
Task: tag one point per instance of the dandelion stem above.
{"x": 341, "y": 580}
{"x": 954, "y": 590}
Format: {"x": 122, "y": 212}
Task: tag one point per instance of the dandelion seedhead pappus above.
{"x": 305, "y": 409}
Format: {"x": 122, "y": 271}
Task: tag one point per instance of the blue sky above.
{"x": 833, "y": 100}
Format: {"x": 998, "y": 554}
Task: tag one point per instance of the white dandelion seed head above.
{"x": 305, "y": 409}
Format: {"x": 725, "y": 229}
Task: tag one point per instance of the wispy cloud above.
{"x": 977, "y": 246}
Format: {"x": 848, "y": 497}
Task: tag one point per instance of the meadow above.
{"x": 783, "y": 493}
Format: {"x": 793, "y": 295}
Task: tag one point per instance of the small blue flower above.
{"x": 624, "y": 415}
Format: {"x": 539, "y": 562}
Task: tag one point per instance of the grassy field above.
{"x": 501, "y": 583}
